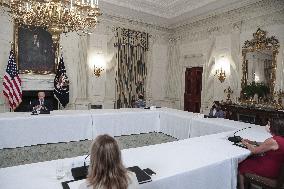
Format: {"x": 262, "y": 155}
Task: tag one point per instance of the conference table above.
{"x": 24, "y": 129}
{"x": 202, "y": 157}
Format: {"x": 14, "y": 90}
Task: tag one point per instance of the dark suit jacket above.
{"x": 46, "y": 104}
{"x": 219, "y": 113}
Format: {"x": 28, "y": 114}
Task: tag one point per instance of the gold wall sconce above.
{"x": 98, "y": 71}
{"x": 221, "y": 74}
{"x": 222, "y": 66}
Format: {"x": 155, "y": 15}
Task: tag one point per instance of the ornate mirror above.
{"x": 259, "y": 67}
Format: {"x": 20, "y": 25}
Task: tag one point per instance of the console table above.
{"x": 250, "y": 114}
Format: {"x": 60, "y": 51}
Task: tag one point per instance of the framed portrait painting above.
{"x": 34, "y": 49}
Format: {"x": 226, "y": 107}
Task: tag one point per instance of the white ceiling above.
{"x": 162, "y": 8}
{"x": 168, "y": 13}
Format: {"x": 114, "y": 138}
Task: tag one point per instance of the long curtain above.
{"x": 131, "y": 72}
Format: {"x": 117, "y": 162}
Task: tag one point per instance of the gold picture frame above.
{"x": 44, "y": 61}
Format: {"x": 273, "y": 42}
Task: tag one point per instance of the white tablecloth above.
{"x": 24, "y": 129}
{"x": 17, "y": 130}
{"x": 176, "y": 124}
{"x": 205, "y": 126}
{"x": 125, "y": 123}
{"x": 197, "y": 163}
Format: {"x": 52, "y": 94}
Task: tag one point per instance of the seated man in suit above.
{"x": 216, "y": 110}
{"x": 140, "y": 103}
{"x": 41, "y": 103}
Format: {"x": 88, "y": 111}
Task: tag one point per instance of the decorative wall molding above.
{"x": 266, "y": 12}
{"x": 115, "y": 21}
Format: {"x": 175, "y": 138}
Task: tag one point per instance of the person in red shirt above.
{"x": 268, "y": 156}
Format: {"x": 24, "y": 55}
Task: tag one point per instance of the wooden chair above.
{"x": 263, "y": 182}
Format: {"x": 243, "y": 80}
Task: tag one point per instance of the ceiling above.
{"x": 168, "y": 13}
{"x": 162, "y": 8}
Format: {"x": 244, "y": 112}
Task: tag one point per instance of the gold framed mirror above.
{"x": 259, "y": 67}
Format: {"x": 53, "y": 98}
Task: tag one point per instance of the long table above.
{"x": 24, "y": 129}
{"x": 204, "y": 158}
{"x": 197, "y": 163}
{"x": 206, "y": 126}
{"x": 125, "y": 123}
{"x": 176, "y": 123}
{"x": 18, "y": 130}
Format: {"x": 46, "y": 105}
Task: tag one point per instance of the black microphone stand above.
{"x": 237, "y": 139}
{"x": 85, "y": 160}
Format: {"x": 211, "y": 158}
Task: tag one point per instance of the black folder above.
{"x": 79, "y": 173}
{"x": 141, "y": 176}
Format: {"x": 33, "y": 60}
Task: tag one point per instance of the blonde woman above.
{"x": 106, "y": 170}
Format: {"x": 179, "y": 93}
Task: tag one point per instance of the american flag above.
{"x": 12, "y": 83}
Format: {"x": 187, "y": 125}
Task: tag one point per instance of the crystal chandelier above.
{"x": 56, "y": 16}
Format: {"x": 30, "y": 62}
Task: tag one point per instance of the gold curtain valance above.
{"x": 131, "y": 37}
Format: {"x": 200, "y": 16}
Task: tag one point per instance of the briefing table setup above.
{"x": 202, "y": 157}
{"x": 24, "y": 129}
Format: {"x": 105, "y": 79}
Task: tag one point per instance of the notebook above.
{"x": 141, "y": 176}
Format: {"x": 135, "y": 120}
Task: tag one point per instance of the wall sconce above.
{"x": 98, "y": 71}
{"x": 221, "y": 74}
{"x": 222, "y": 66}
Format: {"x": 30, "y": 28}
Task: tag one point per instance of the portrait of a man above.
{"x": 35, "y": 50}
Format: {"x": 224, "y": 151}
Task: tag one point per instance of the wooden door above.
{"x": 193, "y": 87}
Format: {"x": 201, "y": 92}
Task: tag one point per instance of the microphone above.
{"x": 237, "y": 139}
{"x": 85, "y": 160}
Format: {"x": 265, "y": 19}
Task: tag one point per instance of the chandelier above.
{"x": 56, "y": 16}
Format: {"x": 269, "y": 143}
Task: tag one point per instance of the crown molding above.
{"x": 266, "y": 12}
{"x": 138, "y": 14}
{"x": 132, "y": 23}
{"x": 208, "y": 11}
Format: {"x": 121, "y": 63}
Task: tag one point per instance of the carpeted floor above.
{"x": 39, "y": 153}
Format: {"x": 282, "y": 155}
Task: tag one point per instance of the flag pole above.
{"x": 12, "y": 46}
{"x": 12, "y": 49}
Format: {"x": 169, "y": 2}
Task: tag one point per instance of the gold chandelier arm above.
{"x": 56, "y": 16}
